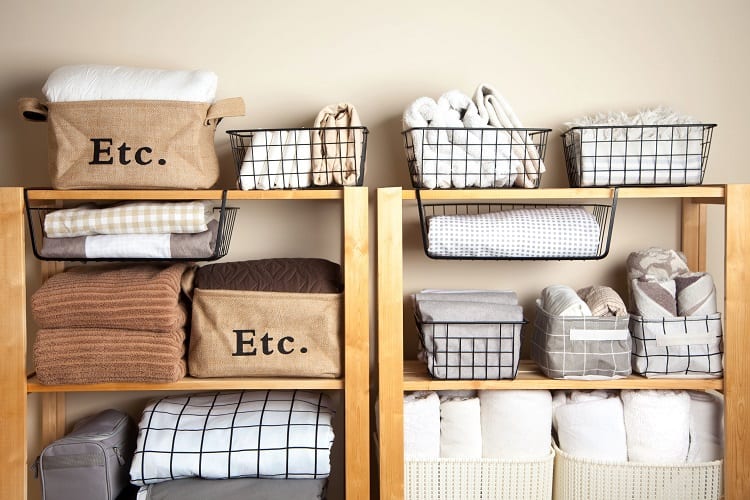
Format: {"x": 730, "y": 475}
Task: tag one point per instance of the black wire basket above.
{"x": 471, "y": 350}
{"x": 517, "y": 231}
{"x": 299, "y": 158}
{"x": 637, "y": 155}
{"x": 444, "y": 157}
{"x": 206, "y": 246}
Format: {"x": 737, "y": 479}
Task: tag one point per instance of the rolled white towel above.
{"x": 422, "y": 425}
{"x": 657, "y": 425}
{"x": 706, "y": 427}
{"x": 460, "y": 428}
{"x": 516, "y": 424}
{"x": 562, "y": 300}
{"x": 419, "y": 113}
{"x": 296, "y": 164}
{"x": 591, "y": 425}
{"x": 261, "y": 165}
{"x": 92, "y": 82}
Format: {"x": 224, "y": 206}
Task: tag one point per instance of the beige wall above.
{"x": 552, "y": 60}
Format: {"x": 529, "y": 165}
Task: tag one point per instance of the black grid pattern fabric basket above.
{"x": 637, "y": 155}
{"x": 679, "y": 346}
{"x": 516, "y": 231}
{"x": 471, "y": 350}
{"x": 581, "y": 347}
{"x": 223, "y": 435}
{"x": 445, "y": 157}
{"x": 192, "y": 248}
{"x": 299, "y": 158}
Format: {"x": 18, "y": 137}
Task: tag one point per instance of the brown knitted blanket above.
{"x": 94, "y": 355}
{"x": 123, "y": 296}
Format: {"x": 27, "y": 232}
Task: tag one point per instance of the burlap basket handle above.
{"x": 32, "y": 109}
{"x": 233, "y": 106}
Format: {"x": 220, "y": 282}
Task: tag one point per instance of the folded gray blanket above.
{"x": 485, "y": 296}
{"x": 235, "y": 489}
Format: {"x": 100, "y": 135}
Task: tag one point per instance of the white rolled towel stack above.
{"x": 422, "y": 425}
{"x": 516, "y": 424}
{"x": 657, "y": 424}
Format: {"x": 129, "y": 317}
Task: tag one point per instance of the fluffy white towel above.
{"x": 562, "y": 300}
{"x": 91, "y": 82}
{"x": 591, "y": 425}
{"x": 297, "y": 156}
{"x": 507, "y": 297}
{"x": 460, "y": 428}
{"x": 657, "y": 425}
{"x": 422, "y": 425}
{"x": 516, "y": 424}
{"x": 276, "y": 160}
{"x": 706, "y": 427}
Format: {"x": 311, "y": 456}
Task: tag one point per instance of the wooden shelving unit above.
{"x": 15, "y": 383}
{"x": 396, "y": 375}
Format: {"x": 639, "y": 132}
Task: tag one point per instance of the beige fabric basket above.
{"x": 474, "y": 479}
{"x": 584, "y": 479}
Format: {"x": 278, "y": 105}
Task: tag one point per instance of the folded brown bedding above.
{"x": 142, "y": 297}
{"x": 94, "y": 355}
{"x": 295, "y": 275}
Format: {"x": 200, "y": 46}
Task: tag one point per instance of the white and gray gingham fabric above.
{"x": 558, "y": 356}
{"x": 221, "y": 435}
{"x": 679, "y": 346}
{"x": 130, "y": 218}
{"x": 545, "y": 232}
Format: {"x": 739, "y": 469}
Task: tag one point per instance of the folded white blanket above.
{"x": 591, "y": 425}
{"x": 276, "y": 160}
{"x": 516, "y": 424}
{"x": 548, "y": 232}
{"x": 91, "y": 82}
{"x": 657, "y": 425}
{"x": 130, "y": 218}
{"x": 562, "y": 300}
{"x": 706, "y": 427}
{"x": 460, "y": 428}
{"x": 421, "y": 425}
{"x": 221, "y": 435}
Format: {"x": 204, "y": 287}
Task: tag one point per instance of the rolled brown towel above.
{"x": 142, "y": 297}
{"x": 95, "y": 355}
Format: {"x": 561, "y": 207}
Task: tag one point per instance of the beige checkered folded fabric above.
{"x": 129, "y": 218}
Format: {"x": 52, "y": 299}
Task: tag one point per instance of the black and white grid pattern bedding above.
{"x": 221, "y": 435}
{"x": 545, "y": 232}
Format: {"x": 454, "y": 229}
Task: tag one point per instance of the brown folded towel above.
{"x": 142, "y": 297}
{"x": 94, "y": 355}
{"x": 293, "y": 275}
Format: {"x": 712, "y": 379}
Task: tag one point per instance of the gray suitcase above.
{"x": 92, "y": 461}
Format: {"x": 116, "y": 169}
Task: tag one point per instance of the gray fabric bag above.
{"x": 92, "y": 461}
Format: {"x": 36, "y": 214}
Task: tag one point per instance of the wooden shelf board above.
{"x": 194, "y": 384}
{"x": 416, "y": 378}
{"x": 183, "y": 194}
{"x": 708, "y": 194}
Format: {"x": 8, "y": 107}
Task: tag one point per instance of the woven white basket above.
{"x": 475, "y": 479}
{"x": 584, "y": 479}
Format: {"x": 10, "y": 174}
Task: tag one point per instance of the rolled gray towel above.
{"x": 654, "y": 299}
{"x": 696, "y": 294}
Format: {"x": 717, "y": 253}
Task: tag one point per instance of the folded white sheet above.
{"x": 508, "y": 297}
{"x": 591, "y": 425}
{"x": 422, "y": 425}
{"x": 460, "y": 428}
{"x": 91, "y": 82}
{"x": 516, "y": 424}
{"x": 657, "y": 425}
{"x": 562, "y": 300}
{"x": 706, "y": 427}
{"x": 276, "y": 160}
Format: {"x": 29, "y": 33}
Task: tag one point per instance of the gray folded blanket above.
{"x": 235, "y": 489}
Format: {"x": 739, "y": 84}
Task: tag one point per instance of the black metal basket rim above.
{"x": 655, "y": 125}
{"x": 511, "y": 129}
{"x": 252, "y": 130}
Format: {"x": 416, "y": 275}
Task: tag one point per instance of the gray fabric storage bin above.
{"x": 581, "y": 347}
{"x": 678, "y": 346}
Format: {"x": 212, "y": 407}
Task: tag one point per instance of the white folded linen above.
{"x": 706, "y": 427}
{"x": 421, "y": 425}
{"x": 277, "y": 159}
{"x": 547, "y": 232}
{"x": 460, "y": 428}
{"x": 508, "y": 297}
{"x": 562, "y": 300}
{"x": 592, "y": 426}
{"x": 657, "y": 425}
{"x": 92, "y": 82}
{"x": 516, "y": 424}
{"x": 220, "y": 435}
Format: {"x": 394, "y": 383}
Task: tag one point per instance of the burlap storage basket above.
{"x": 248, "y": 333}
{"x": 131, "y": 143}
